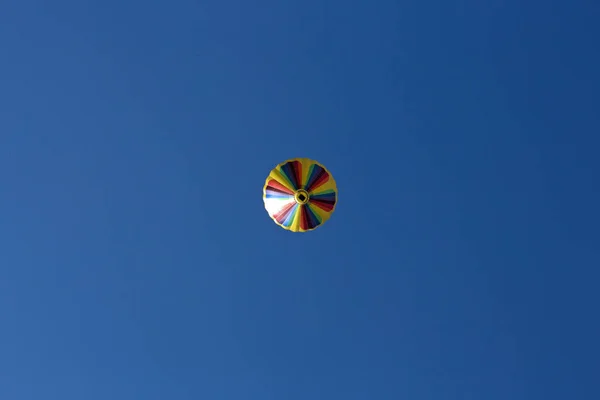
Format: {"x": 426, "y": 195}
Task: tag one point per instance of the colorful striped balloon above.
{"x": 300, "y": 194}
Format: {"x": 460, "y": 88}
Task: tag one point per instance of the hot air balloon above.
{"x": 300, "y": 194}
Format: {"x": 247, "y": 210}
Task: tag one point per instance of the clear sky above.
{"x": 137, "y": 260}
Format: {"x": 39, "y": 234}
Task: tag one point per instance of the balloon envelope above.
{"x": 300, "y": 194}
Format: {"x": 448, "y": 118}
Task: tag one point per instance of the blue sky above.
{"x": 137, "y": 260}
